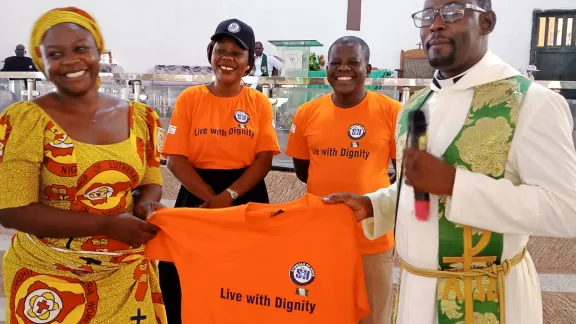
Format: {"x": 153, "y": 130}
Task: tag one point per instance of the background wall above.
{"x": 142, "y": 33}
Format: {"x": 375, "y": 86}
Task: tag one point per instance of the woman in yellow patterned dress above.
{"x": 69, "y": 164}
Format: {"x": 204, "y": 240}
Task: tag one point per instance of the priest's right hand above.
{"x": 130, "y": 229}
{"x": 360, "y": 205}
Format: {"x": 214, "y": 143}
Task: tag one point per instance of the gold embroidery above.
{"x": 450, "y": 290}
{"x": 497, "y": 273}
{"x": 460, "y": 166}
{"x": 470, "y": 257}
{"x": 479, "y": 289}
{"x": 451, "y": 309}
{"x": 418, "y": 95}
{"x": 485, "y": 288}
{"x": 475, "y": 231}
{"x": 414, "y": 100}
{"x": 401, "y": 145}
{"x": 482, "y": 264}
{"x": 495, "y": 93}
{"x": 397, "y": 298}
{"x": 489, "y": 127}
{"x": 492, "y": 292}
{"x": 443, "y": 199}
{"x": 454, "y": 285}
{"x": 487, "y": 318}
{"x": 442, "y": 202}
{"x": 398, "y": 127}
{"x": 485, "y": 146}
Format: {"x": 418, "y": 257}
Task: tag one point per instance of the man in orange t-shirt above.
{"x": 296, "y": 262}
{"x": 343, "y": 142}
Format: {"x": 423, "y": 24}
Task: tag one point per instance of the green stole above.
{"x": 264, "y": 69}
{"x": 481, "y": 146}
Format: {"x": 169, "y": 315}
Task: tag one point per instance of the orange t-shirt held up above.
{"x": 296, "y": 262}
{"x": 349, "y": 149}
{"x": 221, "y": 133}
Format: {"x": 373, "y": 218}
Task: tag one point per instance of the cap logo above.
{"x": 234, "y": 28}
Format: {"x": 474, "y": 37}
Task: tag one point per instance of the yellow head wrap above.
{"x": 59, "y": 16}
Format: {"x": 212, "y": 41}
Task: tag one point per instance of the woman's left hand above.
{"x": 223, "y": 200}
{"x": 145, "y": 209}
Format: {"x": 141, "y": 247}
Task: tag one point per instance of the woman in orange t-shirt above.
{"x": 220, "y": 141}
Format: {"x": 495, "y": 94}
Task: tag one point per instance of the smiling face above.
{"x": 229, "y": 61}
{"x": 347, "y": 68}
{"x": 71, "y": 58}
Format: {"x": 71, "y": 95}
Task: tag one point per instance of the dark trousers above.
{"x": 219, "y": 180}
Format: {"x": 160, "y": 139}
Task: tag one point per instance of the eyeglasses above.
{"x": 449, "y": 13}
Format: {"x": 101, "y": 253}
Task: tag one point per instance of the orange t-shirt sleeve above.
{"x": 267, "y": 139}
{"x": 396, "y": 106}
{"x": 157, "y": 248}
{"x": 297, "y": 144}
{"x": 178, "y": 133}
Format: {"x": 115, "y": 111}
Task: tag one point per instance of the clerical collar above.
{"x": 441, "y": 82}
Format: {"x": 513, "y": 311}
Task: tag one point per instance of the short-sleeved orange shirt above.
{"x": 244, "y": 265}
{"x": 349, "y": 149}
{"x": 221, "y": 133}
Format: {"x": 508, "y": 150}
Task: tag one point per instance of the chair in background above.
{"x": 414, "y": 65}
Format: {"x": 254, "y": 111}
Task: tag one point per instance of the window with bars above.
{"x": 553, "y": 49}
{"x": 556, "y": 30}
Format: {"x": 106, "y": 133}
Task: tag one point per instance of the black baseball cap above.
{"x": 238, "y": 30}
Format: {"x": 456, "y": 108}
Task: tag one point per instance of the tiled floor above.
{"x": 555, "y": 259}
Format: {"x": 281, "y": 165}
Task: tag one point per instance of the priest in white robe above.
{"x": 500, "y": 166}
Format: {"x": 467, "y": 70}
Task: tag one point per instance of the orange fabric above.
{"x": 221, "y": 133}
{"x": 349, "y": 149}
{"x": 301, "y": 266}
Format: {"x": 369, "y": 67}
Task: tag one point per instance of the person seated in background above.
{"x": 344, "y": 141}
{"x": 70, "y": 160}
{"x": 220, "y": 141}
{"x": 19, "y": 63}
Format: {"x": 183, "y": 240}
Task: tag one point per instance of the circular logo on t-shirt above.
{"x": 234, "y": 28}
{"x": 241, "y": 116}
{"x": 302, "y": 274}
{"x": 356, "y": 131}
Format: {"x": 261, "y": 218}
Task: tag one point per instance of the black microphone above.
{"x": 417, "y": 139}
